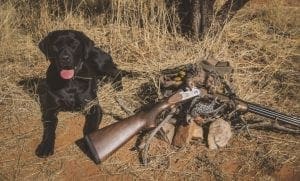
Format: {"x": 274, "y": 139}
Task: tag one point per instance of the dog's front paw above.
{"x": 44, "y": 149}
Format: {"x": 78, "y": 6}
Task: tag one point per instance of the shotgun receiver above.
{"x": 104, "y": 142}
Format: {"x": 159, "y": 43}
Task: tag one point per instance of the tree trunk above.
{"x": 228, "y": 10}
{"x": 196, "y": 16}
{"x": 207, "y": 13}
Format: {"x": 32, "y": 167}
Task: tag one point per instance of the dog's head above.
{"x": 66, "y": 49}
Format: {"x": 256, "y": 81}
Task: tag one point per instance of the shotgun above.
{"x": 104, "y": 142}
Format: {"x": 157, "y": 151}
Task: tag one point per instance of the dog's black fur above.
{"x": 72, "y": 50}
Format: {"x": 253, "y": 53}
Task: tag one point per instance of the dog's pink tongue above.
{"x": 67, "y": 74}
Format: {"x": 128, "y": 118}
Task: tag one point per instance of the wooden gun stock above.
{"x": 104, "y": 142}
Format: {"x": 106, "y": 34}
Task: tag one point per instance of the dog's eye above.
{"x": 74, "y": 44}
{"x": 55, "y": 48}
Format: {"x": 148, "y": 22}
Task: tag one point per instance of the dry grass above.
{"x": 261, "y": 42}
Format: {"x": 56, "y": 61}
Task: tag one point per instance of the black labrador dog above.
{"x": 71, "y": 82}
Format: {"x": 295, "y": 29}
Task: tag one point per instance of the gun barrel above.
{"x": 257, "y": 109}
{"x": 263, "y": 111}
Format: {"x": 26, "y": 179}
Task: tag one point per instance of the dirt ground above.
{"x": 261, "y": 42}
{"x": 264, "y": 156}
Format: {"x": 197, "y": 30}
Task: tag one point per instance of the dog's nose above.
{"x": 66, "y": 58}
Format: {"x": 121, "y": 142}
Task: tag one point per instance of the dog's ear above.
{"x": 87, "y": 43}
{"x": 44, "y": 45}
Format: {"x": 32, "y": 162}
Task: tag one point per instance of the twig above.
{"x": 246, "y": 125}
{"x": 123, "y": 106}
{"x": 273, "y": 125}
{"x": 153, "y": 133}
